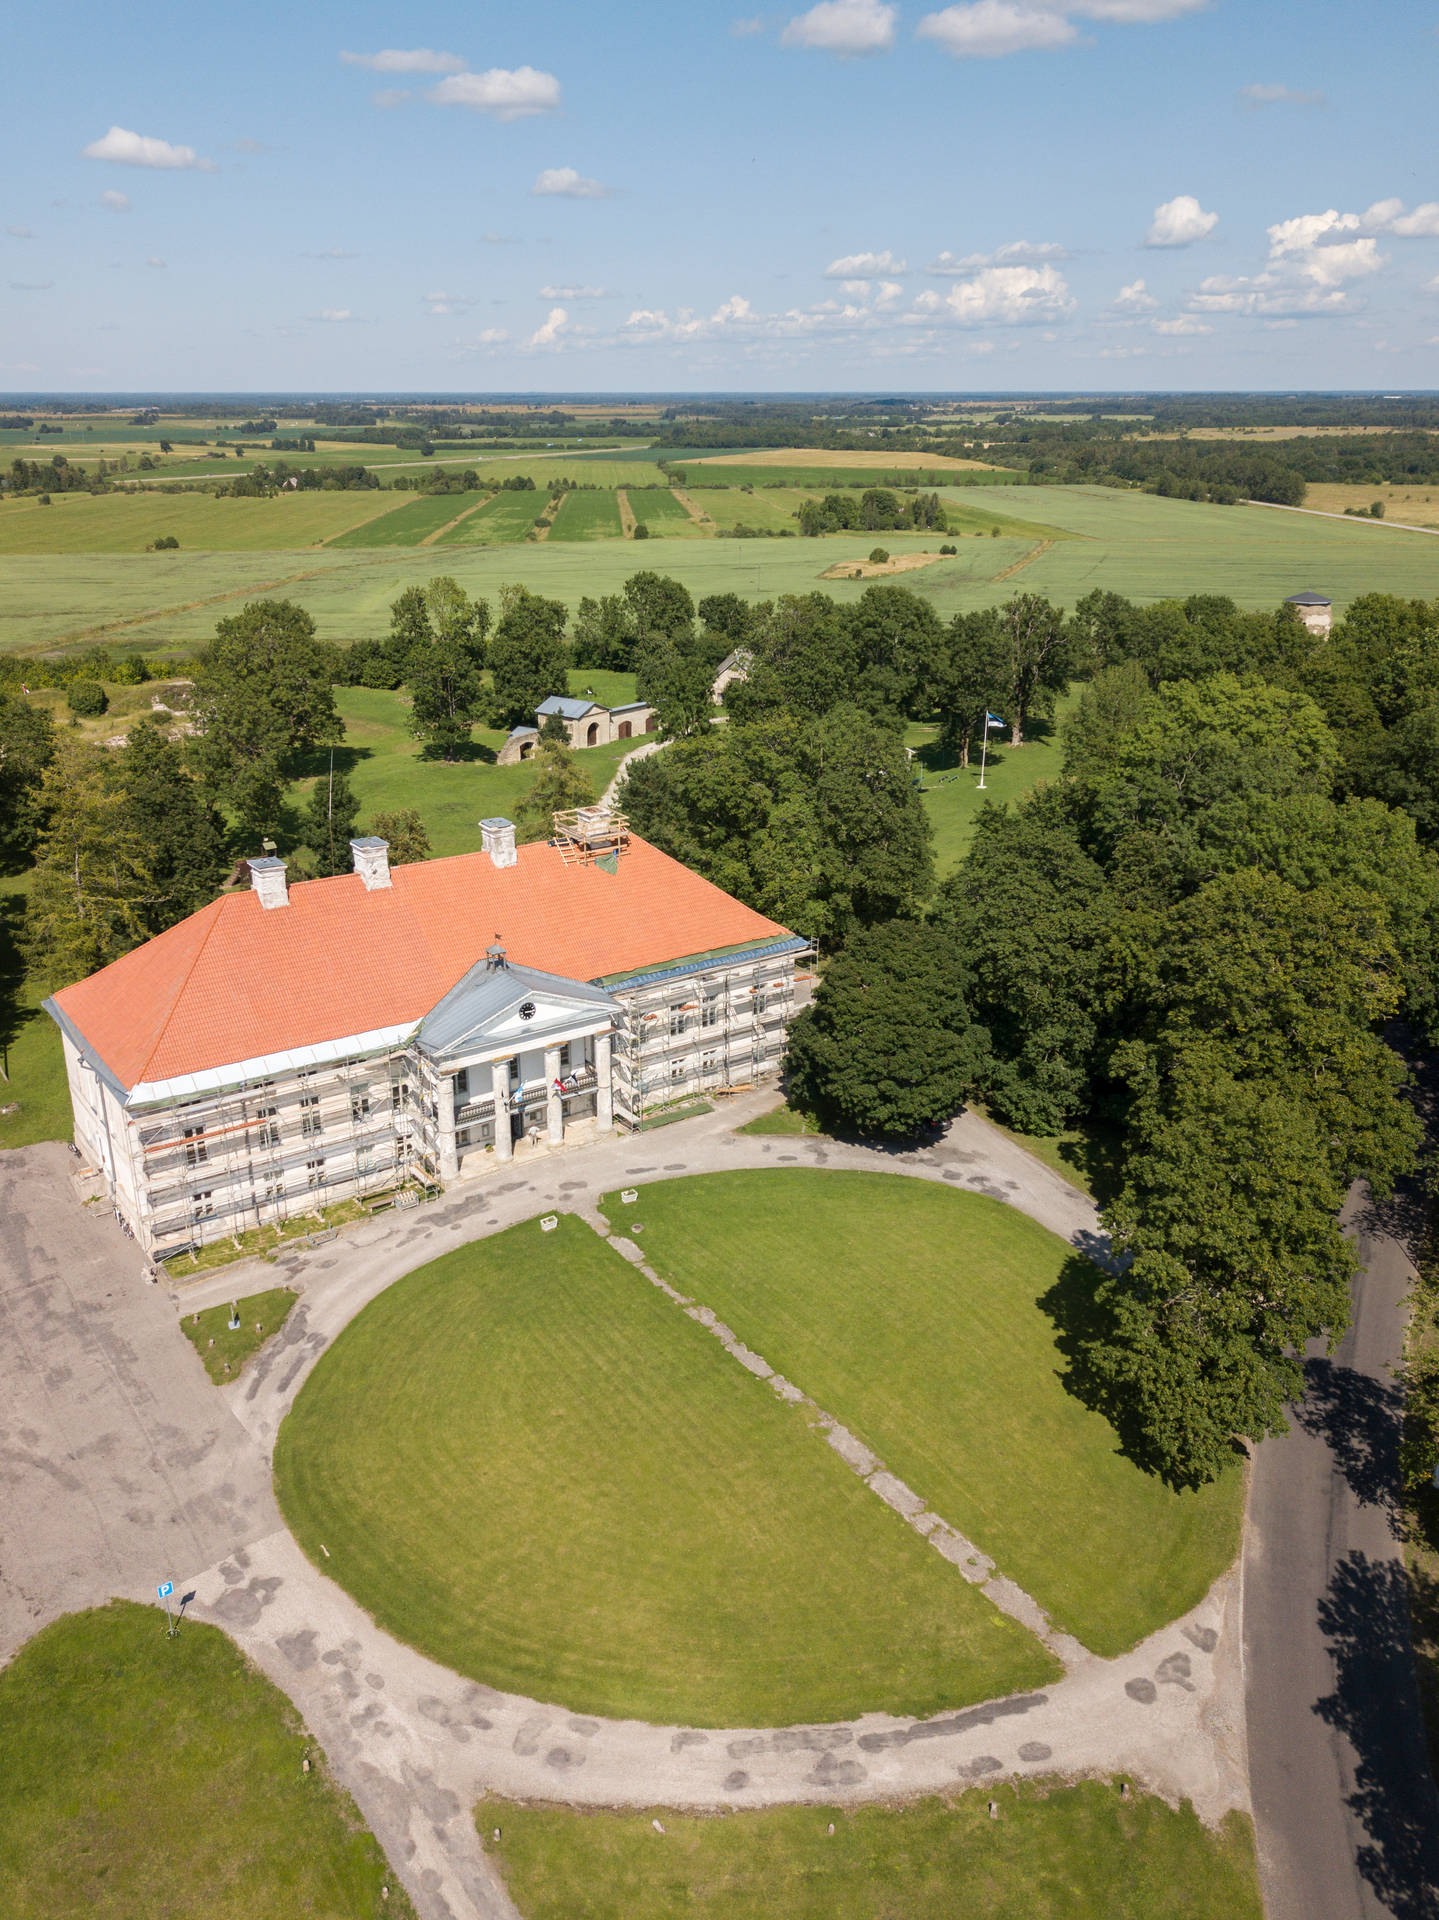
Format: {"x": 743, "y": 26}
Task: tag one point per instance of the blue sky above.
{"x": 999, "y": 194}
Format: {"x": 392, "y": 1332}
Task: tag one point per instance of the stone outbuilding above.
{"x": 587, "y": 723}
{"x": 734, "y": 666}
{"x": 1313, "y": 609}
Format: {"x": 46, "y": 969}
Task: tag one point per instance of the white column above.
{"x": 604, "y": 1092}
{"x": 449, "y": 1157}
{"x": 554, "y": 1107}
{"x": 500, "y": 1083}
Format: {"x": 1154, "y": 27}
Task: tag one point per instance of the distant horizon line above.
{"x": 129, "y": 396}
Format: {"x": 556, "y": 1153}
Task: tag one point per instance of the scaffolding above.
{"x": 591, "y": 836}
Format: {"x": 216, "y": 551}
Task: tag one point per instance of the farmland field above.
{"x": 523, "y": 1460}
{"x": 130, "y": 522}
{"x": 587, "y": 516}
{"x": 1404, "y": 500}
{"x": 407, "y": 526}
{"x": 657, "y": 509}
{"x": 821, "y": 479}
{"x": 504, "y": 520}
{"x": 875, "y": 458}
{"x": 1130, "y": 543}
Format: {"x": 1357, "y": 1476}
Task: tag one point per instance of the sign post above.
{"x": 164, "y": 1591}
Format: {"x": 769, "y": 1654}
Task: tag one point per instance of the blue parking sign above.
{"x": 165, "y": 1591}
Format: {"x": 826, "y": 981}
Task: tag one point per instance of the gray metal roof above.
{"x": 567, "y": 708}
{"x": 486, "y": 996}
{"x": 1309, "y": 598}
{"x": 632, "y": 706}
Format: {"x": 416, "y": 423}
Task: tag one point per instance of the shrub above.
{"x": 878, "y": 556}
{"x": 949, "y": 549}
{"x": 642, "y": 532}
{"x": 165, "y": 542}
{"x": 87, "y": 698}
{"x": 1376, "y": 510}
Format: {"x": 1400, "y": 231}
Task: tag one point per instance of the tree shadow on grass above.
{"x": 14, "y": 1017}
{"x": 465, "y": 753}
{"x": 1084, "y": 1324}
{"x": 312, "y": 765}
{"x": 1365, "y": 1619}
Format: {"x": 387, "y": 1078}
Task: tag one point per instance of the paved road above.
{"x": 1344, "y": 1804}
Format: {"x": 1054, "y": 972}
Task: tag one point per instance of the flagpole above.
{"x": 983, "y": 751}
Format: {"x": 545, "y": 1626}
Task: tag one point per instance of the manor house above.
{"x": 290, "y": 1046}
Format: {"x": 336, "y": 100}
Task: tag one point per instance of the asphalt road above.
{"x": 1345, "y": 1807}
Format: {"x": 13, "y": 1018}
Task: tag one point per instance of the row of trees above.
{"x": 877, "y": 510}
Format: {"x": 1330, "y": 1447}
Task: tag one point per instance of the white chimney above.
{"x": 372, "y": 861}
{"x": 267, "y": 877}
{"x": 497, "y": 839}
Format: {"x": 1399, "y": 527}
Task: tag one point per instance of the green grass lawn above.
{"x": 410, "y": 523}
{"x": 912, "y": 1314}
{"x": 1055, "y": 1853}
{"x": 528, "y": 1463}
{"x": 388, "y": 773}
{"x": 953, "y": 798}
{"x": 145, "y": 1776}
{"x": 35, "y": 1082}
{"x": 587, "y": 516}
{"x": 224, "y": 1352}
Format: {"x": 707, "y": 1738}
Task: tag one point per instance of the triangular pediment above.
{"x": 510, "y": 1007}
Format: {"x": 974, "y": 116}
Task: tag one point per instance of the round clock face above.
{"x": 527, "y": 1011}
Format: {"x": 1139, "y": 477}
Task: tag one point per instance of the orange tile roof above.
{"x": 237, "y": 980}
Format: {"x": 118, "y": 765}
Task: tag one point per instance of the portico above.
{"x": 515, "y": 1052}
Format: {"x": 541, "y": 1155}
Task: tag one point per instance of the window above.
{"x": 310, "y": 1121}
{"x": 565, "y": 1057}
{"x": 274, "y": 1190}
{"x": 314, "y": 1173}
{"x": 362, "y": 1160}
{"x": 202, "y": 1205}
{"x": 359, "y": 1106}
{"x": 678, "y": 1070}
{"x": 759, "y": 1002}
{"x": 710, "y": 1062}
{"x": 269, "y": 1129}
{"x": 399, "y": 1096}
{"x": 710, "y": 1012}
{"x": 196, "y": 1152}
{"x": 679, "y": 1020}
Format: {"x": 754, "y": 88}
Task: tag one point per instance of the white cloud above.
{"x": 437, "y": 304}
{"x": 332, "y": 253}
{"x": 334, "y": 314}
{"x": 1001, "y": 296}
{"x": 1186, "y": 323}
{"x": 547, "y": 334}
{"x": 565, "y": 183}
{"x": 742, "y": 29}
{"x": 1122, "y": 353}
{"x": 155, "y": 261}
{"x": 389, "y": 97}
{"x": 1269, "y": 295}
{"x": 987, "y": 29}
{"x": 1421, "y": 224}
{"x": 406, "y": 60}
{"x": 128, "y": 149}
{"x": 508, "y": 93}
{"x": 1179, "y": 223}
{"x": 1134, "y": 298}
{"x": 856, "y": 266}
{"x": 1263, "y": 94}
{"x": 843, "y": 26}
{"x": 19, "y": 233}
{"x": 114, "y": 202}
{"x": 889, "y": 294}
{"x": 574, "y": 293}
{"x": 247, "y": 145}
{"x": 1010, "y": 254}
{"x": 1135, "y": 13}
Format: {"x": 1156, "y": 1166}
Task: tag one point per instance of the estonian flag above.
{"x": 991, "y": 720}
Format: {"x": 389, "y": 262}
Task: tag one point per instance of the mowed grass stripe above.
{"x": 525, "y": 1462}
{"x": 587, "y": 516}
{"x": 1058, "y": 1852}
{"x": 407, "y": 525}
{"x": 913, "y": 1315}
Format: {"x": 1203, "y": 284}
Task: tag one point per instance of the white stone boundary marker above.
{"x": 549, "y": 1222}
{"x": 947, "y": 1541}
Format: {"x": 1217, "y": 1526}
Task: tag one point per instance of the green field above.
{"x": 524, "y": 1461}
{"x": 587, "y": 516}
{"x": 700, "y": 472}
{"x": 408, "y": 525}
{"x": 666, "y": 517}
{"x": 146, "y": 1776}
{"x": 77, "y": 523}
{"x": 504, "y": 520}
{"x": 953, "y": 798}
{"x": 912, "y": 1313}
{"x": 1071, "y": 1852}
{"x": 1131, "y": 543}
{"x": 386, "y": 771}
